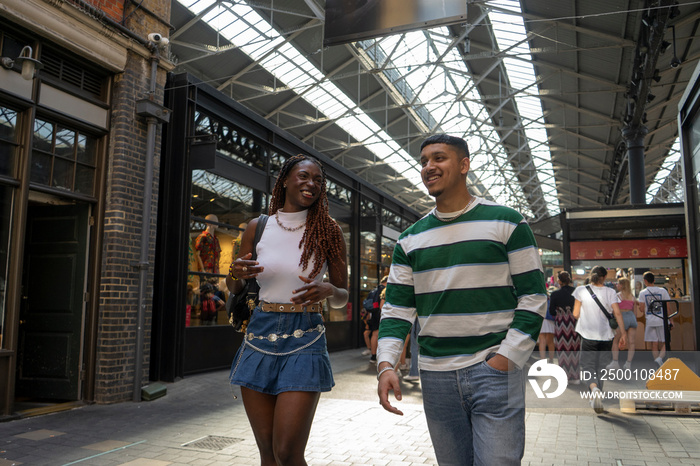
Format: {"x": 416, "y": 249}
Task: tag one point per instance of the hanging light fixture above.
{"x": 26, "y": 61}
{"x": 675, "y": 61}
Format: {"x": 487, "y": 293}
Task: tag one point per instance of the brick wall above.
{"x": 112, "y": 8}
{"x": 151, "y": 14}
{"x": 119, "y": 286}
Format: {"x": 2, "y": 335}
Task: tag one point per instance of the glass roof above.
{"x": 667, "y": 170}
{"x": 424, "y": 72}
{"x": 509, "y": 30}
{"x": 244, "y": 27}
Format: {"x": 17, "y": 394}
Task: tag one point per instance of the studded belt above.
{"x": 289, "y": 307}
{"x": 298, "y": 333}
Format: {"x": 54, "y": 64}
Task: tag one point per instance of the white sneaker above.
{"x": 627, "y": 366}
{"x": 411, "y": 378}
{"x": 597, "y": 400}
{"x": 659, "y": 361}
{"x": 613, "y": 365}
{"x": 366, "y": 352}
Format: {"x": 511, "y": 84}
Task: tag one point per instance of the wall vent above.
{"x": 69, "y": 72}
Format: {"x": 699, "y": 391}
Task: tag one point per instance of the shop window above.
{"x": 368, "y": 208}
{"x": 277, "y": 159}
{"x": 388, "y": 246}
{"x": 391, "y": 220}
{"x": 8, "y": 144}
{"x": 338, "y": 193}
{"x": 369, "y": 269}
{"x": 63, "y": 158}
{"x": 342, "y": 314}
{"x": 220, "y": 211}
{"x": 6, "y": 194}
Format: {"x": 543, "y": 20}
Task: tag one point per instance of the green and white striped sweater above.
{"x": 476, "y": 284}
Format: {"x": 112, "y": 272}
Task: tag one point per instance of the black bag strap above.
{"x": 600, "y": 305}
{"x": 262, "y": 221}
{"x": 253, "y": 287}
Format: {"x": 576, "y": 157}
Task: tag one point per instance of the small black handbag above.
{"x": 240, "y": 305}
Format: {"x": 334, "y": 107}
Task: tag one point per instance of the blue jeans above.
{"x": 476, "y": 415}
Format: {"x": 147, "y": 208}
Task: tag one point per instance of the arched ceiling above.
{"x": 541, "y": 91}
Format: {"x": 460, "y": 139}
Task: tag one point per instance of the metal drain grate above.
{"x": 212, "y": 442}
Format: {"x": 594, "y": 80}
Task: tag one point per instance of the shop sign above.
{"x": 630, "y": 249}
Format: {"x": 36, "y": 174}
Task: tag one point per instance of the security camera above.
{"x": 158, "y": 39}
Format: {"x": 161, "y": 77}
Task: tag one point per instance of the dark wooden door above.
{"x": 51, "y": 317}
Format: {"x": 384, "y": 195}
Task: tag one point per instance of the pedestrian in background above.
{"x": 566, "y": 341}
{"x": 594, "y": 328}
{"x": 629, "y": 307}
{"x": 545, "y": 342}
{"x": 651, "y": 307}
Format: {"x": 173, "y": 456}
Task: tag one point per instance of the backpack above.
{"x": 657, "y": 308}
{"x": 368, "y": 303}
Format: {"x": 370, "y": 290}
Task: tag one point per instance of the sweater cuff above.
{"x": 518, "y": 355}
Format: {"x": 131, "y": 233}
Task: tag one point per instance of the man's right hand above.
{"x": 389, "y": 381}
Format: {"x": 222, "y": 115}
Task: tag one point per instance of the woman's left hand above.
{"x": 313, "y": 292}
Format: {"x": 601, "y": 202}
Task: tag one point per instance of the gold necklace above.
{"x": 285, "y": 228}
{"x": 460, "y": 213}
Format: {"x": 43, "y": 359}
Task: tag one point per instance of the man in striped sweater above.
{"x": 470, "y": 270}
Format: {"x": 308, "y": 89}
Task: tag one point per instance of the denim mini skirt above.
{"x": 283, "y": 352}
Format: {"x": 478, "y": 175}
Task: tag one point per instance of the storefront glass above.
{"x": 368, "y": 263}
{"x": 220, "y": 210}
{"x": 552, "y": 263}
{"x": 6, "y": 194}
{"x": 63, "y": 158}
{"x": 341, "y": 314}
{"x": 388, "y": 246}
{"x": 231, "y": 141}
{"x": 8, "y": 161}
{"x": 8, "y": 144}
{"x": 338, "y": 193}
{"x": 391, "y": 220}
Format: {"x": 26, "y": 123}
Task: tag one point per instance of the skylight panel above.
{"x": 667, "y": 167}
{"x": 409, "y": 63}
{"x": 241, "y": 25}
{"x": 510, "y": 33}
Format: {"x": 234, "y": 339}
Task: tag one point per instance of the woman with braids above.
{"x": 283, "y": 364}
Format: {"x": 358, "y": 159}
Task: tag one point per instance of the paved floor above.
{"x": 199, "y": 422}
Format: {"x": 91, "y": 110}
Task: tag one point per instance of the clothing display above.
{"x": 209, "y": 250}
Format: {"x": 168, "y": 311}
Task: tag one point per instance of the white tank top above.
{"x": 278, "y": 251}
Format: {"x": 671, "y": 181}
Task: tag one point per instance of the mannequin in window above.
{"x": 208, "y": 247}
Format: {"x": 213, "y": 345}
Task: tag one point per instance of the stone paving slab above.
{"x": 350, "y": 428}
